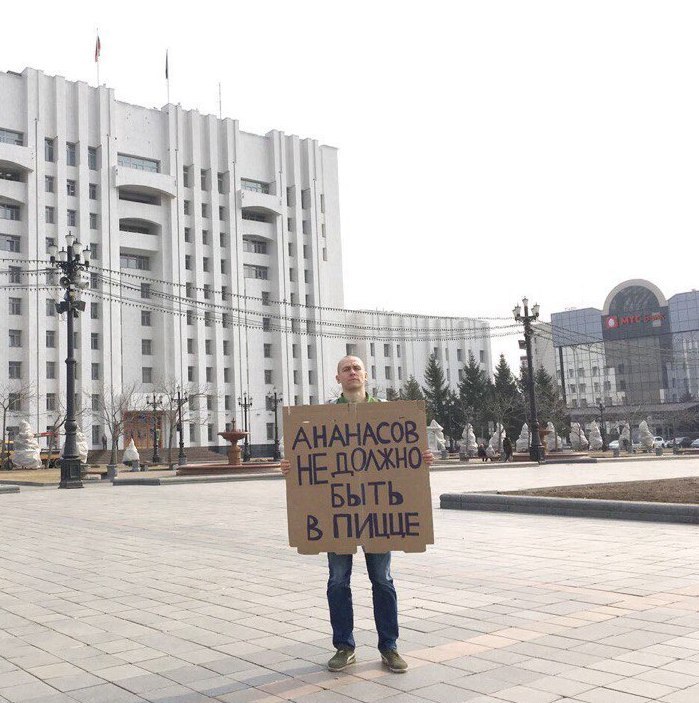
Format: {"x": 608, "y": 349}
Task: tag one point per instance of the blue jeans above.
{"x": 383, "y": 593}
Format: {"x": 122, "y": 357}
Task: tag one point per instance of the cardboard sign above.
{"x": 357, "y": 477}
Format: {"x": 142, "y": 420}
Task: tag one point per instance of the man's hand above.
{"x": 285, "y": 467}
{"x": 428, "y": 458}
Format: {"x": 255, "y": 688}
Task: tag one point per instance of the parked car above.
{"x": 695, "y": 444}
{"x": 658, "y": 442}
{"x": 679, "y": 442}
{"x": 614, "y": 444}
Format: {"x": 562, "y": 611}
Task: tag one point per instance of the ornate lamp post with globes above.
{"x": 156, "y": 402}
{"x": 536, "y": 452}
{"x": 246, "y": 403}
{"x": 72, "y": 267}
{"x": 275, "y": 399}
{"x": 181, "y": 400}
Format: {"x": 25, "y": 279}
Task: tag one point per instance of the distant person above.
{"x": 481, "y": 452}
{"x": 507, "y": 448}
{"x": 352, "y": 376}
{"x": 104, "y": 441}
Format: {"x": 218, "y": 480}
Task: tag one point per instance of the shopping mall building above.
{"x": 637, "y": 357}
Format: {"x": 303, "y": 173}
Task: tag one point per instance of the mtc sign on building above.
{"x": 357, "y": 477}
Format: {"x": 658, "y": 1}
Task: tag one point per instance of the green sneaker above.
{"x": 394, "y": 661}
{"x": 342, "y": 659}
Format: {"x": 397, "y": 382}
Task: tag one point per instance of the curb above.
{"x": 177, "y": 480}
{"x": 7, "y": 488}
{"x": 683, "y": 513}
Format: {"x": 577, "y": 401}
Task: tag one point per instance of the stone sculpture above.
{"x": 596, "y": 443}
{"x": 625, "y": 437}
{"x": 495, "y": 443}
{"x": 578, "y": 441}
{"x": 131, "y": 456}
{"x": 435, "y": 436}
{"x": 27, "y": 454}
{"x": 645, "y": 436}
{"x": 552, "y": 440}
{"x": 468, "y": 444}
{"x": 524, "y": 439}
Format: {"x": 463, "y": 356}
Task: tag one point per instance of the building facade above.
{"x": 216, "y": 264}
{"x": 638, "y": 354}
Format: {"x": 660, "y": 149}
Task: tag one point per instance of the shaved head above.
{"x": 349, "y": 360}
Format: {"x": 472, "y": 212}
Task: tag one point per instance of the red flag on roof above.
{"x": 98, "y": 48}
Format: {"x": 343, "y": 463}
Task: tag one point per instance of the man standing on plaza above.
{"x": 351, "y": 375}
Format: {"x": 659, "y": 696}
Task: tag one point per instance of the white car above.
{"x": 658, "y": 442}
{"x": 695, "y": 444}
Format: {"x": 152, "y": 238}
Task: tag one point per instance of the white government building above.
{"x": 216, "y": 262}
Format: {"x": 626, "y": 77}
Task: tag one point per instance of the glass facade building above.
{"x": 638, "y": 354}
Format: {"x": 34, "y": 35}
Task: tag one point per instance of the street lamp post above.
{"x": 275, "y": 398}
{"x": 536, "y": 452}
{"x": 155, "y": 403}
{"x": 72, "y": 265}
{"x": 245, "y": 403}
{"x": 182, "y": 457}
{"x": 601, "y": 427}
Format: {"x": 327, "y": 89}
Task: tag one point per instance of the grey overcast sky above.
{"x": 487, "y": 149}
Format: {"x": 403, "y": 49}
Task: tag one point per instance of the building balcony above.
{"x": 129, "y": 210}
{"x": 13, "y": 192}
{"x": 265, "y": 230}
{"x": 260, "y": 201}
{"x": 145, "y": 181}
{"x": 18, "y": 156}
{"x": 132, "y": 241}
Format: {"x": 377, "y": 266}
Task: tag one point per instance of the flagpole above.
{"x": 219, "y": 101}
{"x": 167, "y": 75}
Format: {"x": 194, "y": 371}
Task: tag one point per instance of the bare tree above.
{"x": 112, "y": 409}
{"x": 168, "y": 388}
{"x": 60, "y": 415}
{"x": 14, "y": 397}
{"x": 502, "y": 406}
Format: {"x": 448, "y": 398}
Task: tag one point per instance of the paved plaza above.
{"x": 189, "y": 593}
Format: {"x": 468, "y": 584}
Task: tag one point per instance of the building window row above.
{"x": 138, "y": 162}
{"x": 9, "y": 136}
{"x": 9, "y": 212}
{"x": 255, "y": 186}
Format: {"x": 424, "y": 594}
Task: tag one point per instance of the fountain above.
{"x": 234, "y": 464}
{"x": 233, "y": 436}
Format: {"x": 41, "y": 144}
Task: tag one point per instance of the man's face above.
{"x": 351, "y": 374}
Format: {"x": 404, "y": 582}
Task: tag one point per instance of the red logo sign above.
{"x": 613, "y": 321}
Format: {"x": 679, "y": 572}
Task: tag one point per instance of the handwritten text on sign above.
{"x": 357, "y": 477}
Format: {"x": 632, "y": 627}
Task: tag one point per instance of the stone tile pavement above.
{"x": 183, "y": 594}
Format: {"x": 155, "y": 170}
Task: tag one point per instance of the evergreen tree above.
{"x": 473, "y": 394}
{"x": 549, "y": 404}
{"x": 505, "y": 402}
{"x": 436, "y": 392}
{"x": 392, "y": 394}
{"x": 411, "y": 390}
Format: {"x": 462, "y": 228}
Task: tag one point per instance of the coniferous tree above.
{"x": 505, "y": 402}
{"x": 436, "y": 392}
{"x": 392, "y": 394}
{"x": 411, "y": 390}
{"x": 549, "y": 404}
{"x": 473, "y": 394}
